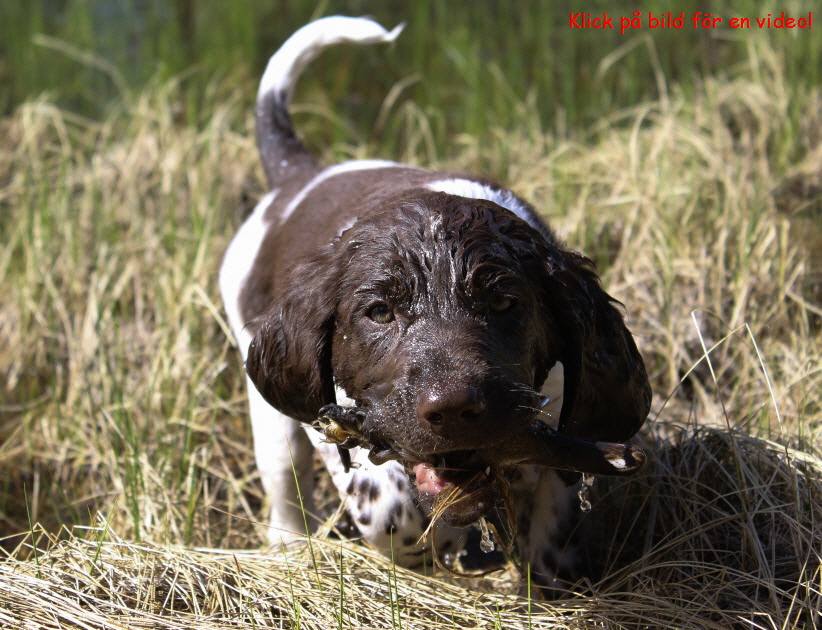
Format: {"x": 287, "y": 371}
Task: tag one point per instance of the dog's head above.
{"x": 441, "y": 318}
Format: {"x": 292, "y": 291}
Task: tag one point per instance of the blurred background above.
{"x": 469, "y": 63}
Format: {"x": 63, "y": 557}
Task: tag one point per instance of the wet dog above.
{"x": 430, "y": 336}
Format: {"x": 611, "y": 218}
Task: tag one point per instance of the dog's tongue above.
{"x": 428, "y": 481}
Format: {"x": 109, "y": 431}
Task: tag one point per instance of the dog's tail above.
{"x": 282, "y": 153}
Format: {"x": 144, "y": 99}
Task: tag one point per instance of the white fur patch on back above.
{"x": 286, "y": 65}
{"x": 333, "y": 171}
{"x": 476, "y": 190}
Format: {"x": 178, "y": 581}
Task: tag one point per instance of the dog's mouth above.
{"x": 461, "y": 486}
{"x": 432, "y": 479}
{"x": 454, "y": 489}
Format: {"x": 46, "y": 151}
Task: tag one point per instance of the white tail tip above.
{"x": 286, "y": 65}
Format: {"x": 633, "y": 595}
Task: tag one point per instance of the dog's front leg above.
{"x": 380, "y": 500}
{"x": 548, "y": 520}
{"x": 285, "y": 460}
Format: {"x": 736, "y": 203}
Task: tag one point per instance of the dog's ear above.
{"x": 289, "y": 358}
{"x": 606, "y": 394}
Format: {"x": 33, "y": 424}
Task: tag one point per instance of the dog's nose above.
{"x": 451, "y": 406}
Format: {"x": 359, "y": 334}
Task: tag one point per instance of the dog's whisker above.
{"x": 537, "y": 411}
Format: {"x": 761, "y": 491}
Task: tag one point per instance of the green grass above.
{"x": 123, "y": 405}
{"x": 470, "y": 64}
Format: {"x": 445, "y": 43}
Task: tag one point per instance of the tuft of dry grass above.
{"x": 123, "y": 407}
{"x": 123, "y": 393}
{"x": 721, "y": 531}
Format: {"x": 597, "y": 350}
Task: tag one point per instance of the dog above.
{"x": 430, "y": 337}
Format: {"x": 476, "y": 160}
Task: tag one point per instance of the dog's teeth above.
{"x": 488, "y": 472}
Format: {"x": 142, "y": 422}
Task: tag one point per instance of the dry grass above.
{"x": 123, "y": 406}
{"x": 721, "y": 532}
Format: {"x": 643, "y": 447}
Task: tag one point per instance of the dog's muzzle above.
{"x": 537, "y": 444}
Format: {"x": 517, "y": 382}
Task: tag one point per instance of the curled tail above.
{"x": 282, "y": 153}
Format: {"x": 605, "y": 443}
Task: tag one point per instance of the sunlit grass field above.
{"x": 124, "y": 442}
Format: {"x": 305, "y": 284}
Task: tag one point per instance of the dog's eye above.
{"x": 499, "y": 303}
{"x": 381, "y": 314}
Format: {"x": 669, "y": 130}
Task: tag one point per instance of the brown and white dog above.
{"x": 439, "y": 330}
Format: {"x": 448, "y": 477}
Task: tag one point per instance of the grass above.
{"x": 123, "y": 413}
{"x": 682, "y": 554}
{"x": 468, "y": 64}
